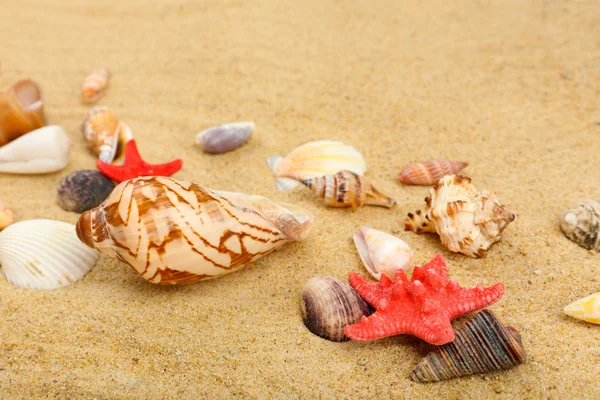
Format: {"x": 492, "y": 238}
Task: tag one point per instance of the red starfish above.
{"x": 423, "y": 306}
{"x": 134, "y": 166}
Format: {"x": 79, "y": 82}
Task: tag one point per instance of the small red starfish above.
{"x": 423, "y": 306}
{"x": 134, "y": 166}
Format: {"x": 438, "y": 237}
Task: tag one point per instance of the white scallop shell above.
{"x": 382, "y": 253}
{"x": 314, "y": 159}
{"x": 40, "y": 151}
{"x": 44, "y": 254}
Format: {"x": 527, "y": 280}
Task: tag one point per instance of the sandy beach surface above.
{"x": 512, "y": 87}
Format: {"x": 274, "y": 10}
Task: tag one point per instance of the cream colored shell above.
{"x": 586, "y": 309}
{"x": 382, "y": 253}
{"x": 581, "y": 223}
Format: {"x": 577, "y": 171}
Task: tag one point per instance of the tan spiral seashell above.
{"x": 468, "y": 221}
{"x": 94, "y": 85}
{"x": 429, "y": 172}
{"x": 581, "y": 223}
{"x": 21, "y": 110}
{"x": 171, "y": 231}
{"x": 105, "y": 135}
{"x": 347, "y": 189}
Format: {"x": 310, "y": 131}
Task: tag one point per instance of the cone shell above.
{"x": 315, "y": 159}
{"x": 105, "y": 135}
{"x": 6, "y": 217}
{"x": 21, "y": 110}
{"x": 484, "y": 344}
{"x": 382, "y": 253}
{"x": 83, "y": 190}
{"x": 171, "y": 231}
{"x": 327, "y": 305}
{"x": 429, "y": 172}
{"x": 468, "y": 221}
{"x": 581, "y": 223}
{"x": 348, "y": 189}
{"x": 94, "y": 85}
{"x": 586, "y": 309}
{"x": 223, "y": 138}
{"x": 44, "y": 254}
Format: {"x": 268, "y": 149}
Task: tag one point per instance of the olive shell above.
{"x": 83, "y": 190}
{"x": 223, "y": 138}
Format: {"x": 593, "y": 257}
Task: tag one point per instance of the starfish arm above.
{"x": 132, "y": 155}
{"x": 438, "y": 264}
{"x": 377, "y": 326}
{"x": 166, "y": 169}
{"x": 115, "y": 172}
{"x": 371, "y": 292}
{"x": 469, "y": 300}
{"x": 434, "y": 329}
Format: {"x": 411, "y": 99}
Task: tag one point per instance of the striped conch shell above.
{"x": 468, "y": 221}
{"x": 581, "y": 223}
{"x": 314, "y": 159}
{"x": 586, "y": 309}
{"x": 429, "y": 172}
{"x": 105, "y": 135}
{"x": 382, "y": 253}
{"x": 171, "y": 231}
{"x": 94, "y": 85}
{"x": 21, "y": 110}
{"x": 347, "y": 189}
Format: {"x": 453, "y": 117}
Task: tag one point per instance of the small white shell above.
{"x": 223, "y": 138}
{"x": 44, "y": 254}
{"x": 41, "y": 151}
{"x": 382, "y": 253}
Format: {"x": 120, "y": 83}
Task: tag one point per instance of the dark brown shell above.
{"x": 83, "y": 190}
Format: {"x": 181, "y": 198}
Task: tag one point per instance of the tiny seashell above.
{"x": 21, "y": 110}
{"x": 382, "y": 253}
{"x": 484, "y": 344}
{"x": 328, "y": 304}
{"x": 83, "y": 190}
{"x": 586, "y": 309}
{"x": 314, "y": 159}
{"x": 429, "y": 172}
{"x": 94, "y": 85}
{"x": 6, "y": 217}
{"x": 44, "y": 254}
{"x": 105, "y": 135}
{"x": 223, "y": 138}
{"x": 348, "y": 189}
{"x": 581, "y": 223}
{"x": 41, "y": 151}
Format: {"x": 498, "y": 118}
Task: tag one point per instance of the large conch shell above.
{"x": 105, "y": 135}
{"x": 21, "y": 110}
{"x": 581, "y": 223}
{"x": 382, "y": 253}
{"x": 171, "y": 231}
{"x": 42, "y": 151}
{"x": 468, "y": 221}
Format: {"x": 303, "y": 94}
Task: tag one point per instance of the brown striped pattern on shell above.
{"x": 94, "y": 85}
{"x": 429, "y": 172}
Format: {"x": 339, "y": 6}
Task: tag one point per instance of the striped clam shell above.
{"x": 83, "y": 190}
{"x": 171, "y": 231}
{"x": 429, "y": 172}
{"x": 581, "y": 223}
{"x": 94, "y": 85}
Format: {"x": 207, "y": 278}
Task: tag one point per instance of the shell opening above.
{"x": 84, "y": 229}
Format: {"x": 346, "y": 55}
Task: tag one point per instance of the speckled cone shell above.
{"x": 171, "y": 231}
{"x": 581, "y": 223}
{"x": 586, "y": 309}
{"x": 468, "y": 221}
{"x": 21, "y": 110}
{"x": 484, "y": 344}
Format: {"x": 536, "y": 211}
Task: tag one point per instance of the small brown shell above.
{"x": 581, "y": 223}
{"x": 104, "y": 134}
{"x": 83, "y": 190}
{"x": 94, "y": 85}
{"x": 484, "y": 344}
{"x": 429, "y": 172}
{"x": 328, "y": 305}
{"x": 348, "y": 189}
{"x": 21, "y": 110}
{"x": 6, "y": 217}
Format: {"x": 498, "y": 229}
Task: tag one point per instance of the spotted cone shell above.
{"x": 581, "y": 223}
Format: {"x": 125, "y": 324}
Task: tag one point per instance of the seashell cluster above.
{"x": 586, "y": 309}
{"x": 467, "y": 221}
{"x": 44, "y": 254}
{"x": 382, "y": 253}
{"x": 327, "y": 305}
{"x": 484, "y": 344}
{"x": 105, "y": 135}
{"x": 21, "y": 110}
{"x": 42, "y": 151}
{"x": 83, "y": 190}
{"x": 347, "y": 189}
{"x": 224, "y": 138}
{"x": 6, "y": 217}
{"x": 429, "y": 172}
{"x": 315, "y": 159}
{"x": 94, "y": 85}
{"x": 171, "y": 231}
{"x": 581, "y": 223}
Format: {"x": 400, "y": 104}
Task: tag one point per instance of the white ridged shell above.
{"x": 382, "y": 253}
{"x": 44, "y": 254}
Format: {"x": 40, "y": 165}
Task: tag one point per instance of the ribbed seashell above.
{"x": 328, "y": 304}
{"x": 581, "y": 223}
{"x": 347, "y": 189}
{"x": 468, "y": 221}
{"x": 484, "y": 344}
{"x": 42, "y": 151}
{"x": 429, "y": 172}
{"x": 44, "y": 254}
{"x": 83, "y": 190}
{"x": 94, "y": 85}
{"x": 171, "y": 231}
{"x": 586, "y": 309}
{"x": 6, "y": 217}
{"x": 21, "y": 110}
{"x": 223, "y": 138}
{"x": 382, "y": 253}
{"x": 314, "y": 159}
{"x": 105, "y": 135}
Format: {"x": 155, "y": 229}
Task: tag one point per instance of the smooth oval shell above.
{"x": 484, "y": 344}
{"x": 223, "y": 138}
{"x": 429, "y": 172}
{"x": 94, "y": 85}
{"x": 21, "y": 110}
{"x": 328, "y": 304}
{"x": 581, "y": 223}
{"x": 44, "y": 254}
{"x": 314, "y": 159}
{"x": 171, "y": 231}
{"x": 83, "y": 190}
{"x": 382, "y": 253}
{"x": 586, "y": 309}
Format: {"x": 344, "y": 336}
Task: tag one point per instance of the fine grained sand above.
{"x": 512, "y": 87}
